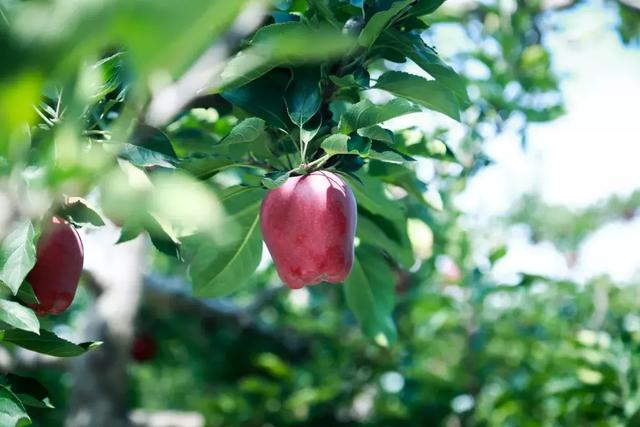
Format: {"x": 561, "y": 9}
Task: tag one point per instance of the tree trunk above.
{"x": 99, "y": 383}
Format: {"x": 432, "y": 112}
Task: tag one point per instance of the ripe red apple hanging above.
{"x": 59, "y": 258}
{"x": 308, "y": 225}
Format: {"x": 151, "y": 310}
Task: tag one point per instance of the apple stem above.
{"x": 303, "y": 147}
{"x": 310, "y": 167}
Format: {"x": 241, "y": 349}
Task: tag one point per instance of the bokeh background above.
{"x": 522, "y": 309}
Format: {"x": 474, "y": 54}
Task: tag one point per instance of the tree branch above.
{"x": 169, "y": 100}
{"x": 173, "y": 292}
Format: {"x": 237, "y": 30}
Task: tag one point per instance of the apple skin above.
{"x": 55, "y": 276}
{"x": 308, "y": 225}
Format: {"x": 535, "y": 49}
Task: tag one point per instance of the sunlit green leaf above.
{"x": 429, "y": 93}
{"x": 219, "y": 268}
{"x": 282, "y": 44}
{"x": 386, "y": 153}
{"x": 343, "y": 144}
{"x": 17, "y": 255}
{"x": 12, "y": 412}
{"x": 413, "y": 47}
{"x": 365, "y": 113}
{"x": 248, "y": 130}
{"x": 18, "y": 316}
{"x": 79, "y": 211}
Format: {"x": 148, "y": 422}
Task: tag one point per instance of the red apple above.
{"x": 309, "y": 225}
{"x": 144, "y": 347}
{"x": 59, "y": 257}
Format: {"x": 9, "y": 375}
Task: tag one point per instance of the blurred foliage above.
{"x": 77, "y": 83}
{"x": 567, "y": 228}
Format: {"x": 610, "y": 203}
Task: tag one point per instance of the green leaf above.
{"x": 26, "y": 294}
{"x": 346, "y": 82}
{"x": 17, "y": 255}
{"x": 130, "y": 230}
{"x": 429, "y": 93}
{"x": 29, "y": 391}
{"x": 398, "y": 246}
{"x": 78, "y": 211}
{"x": 369, "y": 193}
{"x": 18, "y": 316}
{"x": 141, "y": 156}
{"x": 163, "y": 35}
{"x": 263, "y": 98}
{"x": 433, "y": 148}
{"x": 370, "y": 294}
{"x": 283, "y": 44}
{"x": 46, "y": 343}
{"x": 377, "y": 133}
{"x": 401, "y": 176}
{"x": 323, "y": 9}
{"x": 348, "y": 87}
{"x": 310, "y": 129}
{"x": 385, "y": 153}
{"x": 424, "y": 7}
{"x": 413, "y": 47}
{"x": 161, "y": 235}
{"x": 275, "y": 179}
{"x": 343, "y": 144}
{"x": 167, "y": 35}
{"x": 153, "y": 139}
{"x": 204, "y": 166}
{"x": 12, "y": 412}
{"x": 248, "y": 130}
{"x": 303, "y": 97}
{"x": 379, "y": 22}
{"x": 220, "y": 267}
{"x": 149, "y": 147}
{"x": 365, "y": 114}
{"x": 497, "y": 254}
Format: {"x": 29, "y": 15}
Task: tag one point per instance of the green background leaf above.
{"x": 369, "y": 291}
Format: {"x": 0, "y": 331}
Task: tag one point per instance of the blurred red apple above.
{"x": 144, "y": 347}
{"x": 59, "y": 258}
{"x": 309, "y": 225}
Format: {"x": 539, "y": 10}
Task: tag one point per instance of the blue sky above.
{"x": 591, "y": 152}
{"x": 586, "y": 155}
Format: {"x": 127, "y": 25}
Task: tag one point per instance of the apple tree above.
{"x": 169, "y": 123}
{"x": 166, "y": 138}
